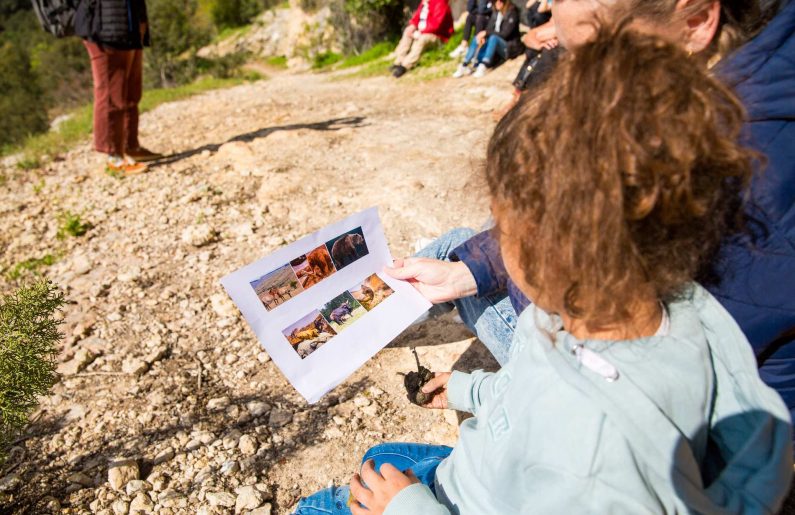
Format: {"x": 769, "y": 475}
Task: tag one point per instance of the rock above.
{"x": 10, "y": 483}
{"x": 224, "y": 499}
{"x": 164, "y": 456}
{"x": 222, "y": 306}
{"x": 134, "y": 366}
{"x": 242, "y": 231}
{"x": 137, "y": 485}
{"x": 120, "y": 507}
{"x": 361, "y": 401}
{"x": 81, "y": 265}
{"x": 263, "y": 357}
{"x": 52, "y": 505}
{"x": 121, "y": 471}
{"x": 80, "y": 478}
{"x": 257, "y": 408}
{"x": 280, "y": 418}
{"x": 156, "y": 354}
{"x": 81, "y": 359}
{"x": 218, "y": 403}
{"x": 229, "y": 467}
{"x": 248, "y": 445}
{"x": 248, "y": 498}
{"x": 141, "y": 503}
{"x": 265, "y": 509}
{"x": 198, "y": 235}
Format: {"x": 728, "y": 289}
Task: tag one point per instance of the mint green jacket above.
{"x": 677, "y": 423}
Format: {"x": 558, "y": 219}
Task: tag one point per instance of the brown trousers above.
{"x": 118, "y": 84}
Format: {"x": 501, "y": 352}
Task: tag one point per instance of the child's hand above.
{"x": 439, "y": 381}
{"x": 381, "y": 487}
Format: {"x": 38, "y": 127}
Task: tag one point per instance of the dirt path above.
{"x": 158, "y": 366}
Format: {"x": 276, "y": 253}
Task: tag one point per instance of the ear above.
{"x": 701, "y": 20}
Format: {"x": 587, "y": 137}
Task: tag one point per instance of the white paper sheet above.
{"x": 291, "y": 299}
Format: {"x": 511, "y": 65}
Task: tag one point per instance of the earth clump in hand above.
{"x": 414, "y": 381}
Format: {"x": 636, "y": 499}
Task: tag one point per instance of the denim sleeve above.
{"x": 481, "y": 254}
{"x": 414, "y": 499}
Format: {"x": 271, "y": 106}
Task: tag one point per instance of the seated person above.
{"x": 500, "y": 41}
{"x": 478, "y": 13}
{"x": 628, "y": 389}
{"x": 431, "y": 24}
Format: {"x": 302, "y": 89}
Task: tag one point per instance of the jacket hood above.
{"x": 763, "y": 70}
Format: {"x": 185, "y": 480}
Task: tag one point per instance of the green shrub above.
{"x": 236, "y": 13}
{"x": 70, "y": 224}
{"x": 325, "y": 59}
{"x": 28, "y": 337}
{"x": 22, "y": 111}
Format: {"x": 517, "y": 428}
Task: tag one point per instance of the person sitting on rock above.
{"x": 431, "y": 24}
{"x": 500, "y": 41}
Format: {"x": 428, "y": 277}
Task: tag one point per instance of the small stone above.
{"x": 248, "y": 498}
{"x": 218, "y": 403}
{"x": 280, "y": 418}
{"x": 265, "y": 509}
{"x": 134, "y": 366}
{"x": 224, "y": 499}
{"x": 157, "y": 354}
{"x": 81, "y": 265}
{"x": 263, "y": 357}
{"x": 137, "y": 485}
{"x": 10, "y": 483}
{"x": 198, "y": 235}
{"x": 222, "y": 306}
{"x": 120, "y": 507}
{"x": 361, "y": 400}
{"x": 141, "y": 504}
{"x": 164, "y": 456}
{"x": 257, "y": 408}
{"x": 81, "y": 359}
{"x": 120, "y": 472}
{"x": 229, "y": 467}
{"x": 80, "y": 478}
{"x": 52, "y": 504}
{"x": 248, "y": 445}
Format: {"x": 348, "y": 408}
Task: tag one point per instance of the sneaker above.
{"x": 459, "y": 51}
{"x": 480, "y": 71}
{"x": 462, "y": 71}
{"x": 399, "y": 71}
{"x": 122, "y": 167}
{"x": 142, "y": 155}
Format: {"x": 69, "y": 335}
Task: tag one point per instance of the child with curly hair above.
{"x": 629, "y": 389}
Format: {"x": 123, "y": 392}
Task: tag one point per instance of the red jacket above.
{"x": 440, "y": 19}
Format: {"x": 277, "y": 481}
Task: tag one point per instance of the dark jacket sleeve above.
{"x": 509, "y": 29}
{"x": 481, "y": 254}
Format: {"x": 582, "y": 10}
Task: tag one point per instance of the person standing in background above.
{"x": 115, "y": 32}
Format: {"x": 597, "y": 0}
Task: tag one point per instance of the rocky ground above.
{"x": 166, "y": 401}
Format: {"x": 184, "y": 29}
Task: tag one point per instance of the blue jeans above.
{"x": 420, "y": 458}
{"x": 491, "y": 318}
{"x": 494, "y": 46}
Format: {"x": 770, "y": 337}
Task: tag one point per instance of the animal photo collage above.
{"x": 319, "y": 326}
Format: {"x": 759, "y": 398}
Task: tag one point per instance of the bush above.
{"x": 22, "y": 112}
{"x": 235, "y": 13}
{"x": 363, "y": 23}
{"x": 28, "y": 337}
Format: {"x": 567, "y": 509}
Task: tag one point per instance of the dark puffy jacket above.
{"x": 509, "y": 29}
{"x": 759, "y": 291}
{"x": 115, "y": 23}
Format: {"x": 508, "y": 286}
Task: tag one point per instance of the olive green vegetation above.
{"x": 29, "y": 266}
{"x": 28, "y": 338}
{"x": 277, "y": 61}
{"x": 71, "y": 224}
{"x": 79, "y": 126}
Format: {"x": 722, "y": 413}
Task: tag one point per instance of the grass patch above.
{"x": 230, "y": 32}
{"x": 374, "y": 53}
{"x": 325, "y": 59}
{"x": 31, "y": 265}
{"x": 36, "y": 148}
{"x": 277, "y": 61}
{"x": 70, "y": 224}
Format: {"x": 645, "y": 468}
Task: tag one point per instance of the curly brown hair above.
{"x": 621, "y": 174}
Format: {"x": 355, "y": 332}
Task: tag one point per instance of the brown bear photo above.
{"x": 313, "y": 267}
{"x": 347, "y": 248}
